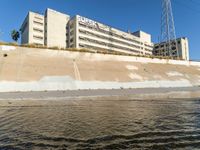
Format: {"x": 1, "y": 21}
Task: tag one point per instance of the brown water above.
{"x": 87, "y": 124}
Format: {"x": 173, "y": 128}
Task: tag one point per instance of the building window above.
{"x": 110, "y": 33}
{"x": 39, "y": 23}
{"x": 38, "y": 30}
{"x": 173, "y": 48}
{"x": 108, "y": 38}
{"x": 71, "y": 40}
{"x": 38, "y": 37}
{"x": 38, "y": 18}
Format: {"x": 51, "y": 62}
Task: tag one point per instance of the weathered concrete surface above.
{"x": 28, "y": 69}
{"x": 54, "y": 98}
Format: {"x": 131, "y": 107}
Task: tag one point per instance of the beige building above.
{"x": 32, "y": 29}
{"x": 49, "y": 29}
{"x": 55, "y": 29}
{"x": 86, "y": 33}
{"x": 160, "y": 49}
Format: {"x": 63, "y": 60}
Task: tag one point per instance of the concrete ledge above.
{"x": 35, "y": 99}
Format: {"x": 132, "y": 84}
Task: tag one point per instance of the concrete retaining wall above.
{"x": 28, "y": 69}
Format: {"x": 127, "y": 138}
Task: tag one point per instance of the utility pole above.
{"x": 168, "y": 34}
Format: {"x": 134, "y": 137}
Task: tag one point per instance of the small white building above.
{"x": 181, "y": 50}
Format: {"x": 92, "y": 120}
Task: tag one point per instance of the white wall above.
{"x": 56, "y": 29}
{"x": 28, "y": 69}
{"x": 32, "y": 25}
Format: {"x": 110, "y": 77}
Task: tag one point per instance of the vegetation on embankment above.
{"x": 99, "y": 51}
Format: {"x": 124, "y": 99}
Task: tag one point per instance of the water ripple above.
{"x": 102, "y": 125}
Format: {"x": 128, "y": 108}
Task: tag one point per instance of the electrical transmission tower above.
{"x": 168, "y": 35}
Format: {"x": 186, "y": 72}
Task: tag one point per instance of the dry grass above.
{"x": 9, "y": 44}
{"x": 99, "y": 51}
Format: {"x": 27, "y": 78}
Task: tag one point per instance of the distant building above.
{"x": 50, "y": 30}
{"x": 55, "y": 29}
{"x": 86, "y": 33}
{"x": 32, "y": 29}
{"x": 160, "y": 49}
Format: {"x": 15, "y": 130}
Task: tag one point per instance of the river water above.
{"x": 102, "y": 124}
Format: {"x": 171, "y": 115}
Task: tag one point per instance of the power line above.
{"x": 190, "y": 9}
{"x": 195, "y": 2}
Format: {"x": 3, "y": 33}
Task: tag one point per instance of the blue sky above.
{"x": 123, "y": 14}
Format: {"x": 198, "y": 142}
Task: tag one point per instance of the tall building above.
{"x": 57, "y": 29}
{"x": 181, "y": 49}
{"x": 86, "y": 33}
{"x": 49, "y": 29}
{"x": 32, "y": 29}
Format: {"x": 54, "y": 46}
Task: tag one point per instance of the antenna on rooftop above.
{"x": 168, "y": 34}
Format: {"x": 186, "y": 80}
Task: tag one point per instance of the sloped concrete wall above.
{"x": 28, "y": 69}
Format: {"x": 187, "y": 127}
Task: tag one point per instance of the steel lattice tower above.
{"x": 168, "y": 30}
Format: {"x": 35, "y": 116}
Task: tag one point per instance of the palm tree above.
{"x": 15, "y": 35}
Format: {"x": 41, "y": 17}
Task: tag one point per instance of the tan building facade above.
{"x": 86, "y": 33}
{"x": 58, "y": 30}
{"x": 182, "y": 51}
{"x": 55, "y": 29}
{"x": 49, "y": 29}
{"x": 32, "y": 29}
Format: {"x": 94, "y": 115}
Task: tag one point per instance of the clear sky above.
{"x": 123, "y": 14}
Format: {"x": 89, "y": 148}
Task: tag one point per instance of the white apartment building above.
{"x": 160, "y": 49}
{"x": 89, "y": 34}
{"x": 57, "y": 29}
{"x": 32, "y": 29}
{"x": 49, "y": 29}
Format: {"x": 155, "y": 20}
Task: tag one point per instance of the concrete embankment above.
{"x": 29, "y": 69}
{"x": 52, "y": 98}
